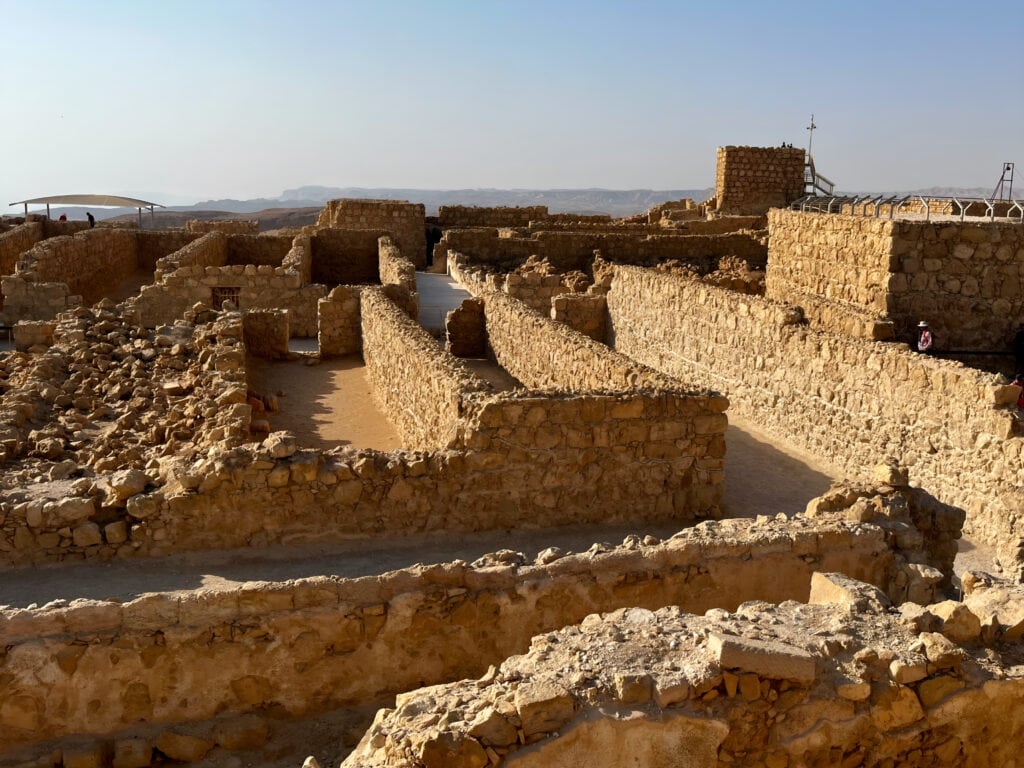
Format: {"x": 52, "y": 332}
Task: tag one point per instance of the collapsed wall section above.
{"x": 849, "y": 401}
{"x": 303, "y": 647}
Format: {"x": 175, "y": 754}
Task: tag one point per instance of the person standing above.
{"x": 1018, "y": 347}
{"x": 91, "y": 218}
{"x": 924, "y": 337}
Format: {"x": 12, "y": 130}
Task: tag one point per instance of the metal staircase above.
{"x": 814, "y": 182}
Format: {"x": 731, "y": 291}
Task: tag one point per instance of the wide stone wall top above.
{"x": 751, "y": 180}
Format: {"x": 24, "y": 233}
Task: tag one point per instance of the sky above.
{"x": 203, "y": 99}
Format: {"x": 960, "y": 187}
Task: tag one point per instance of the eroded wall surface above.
{"x": 750, "y": 180}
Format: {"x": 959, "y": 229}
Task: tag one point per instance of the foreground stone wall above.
{"x": 404, "y": 221}
{"x": 844, "y": 681}
{"x": 339, "y": 326}
{"x": 750, "y": 180}
{"x": 851, "y": 274}
{"x": 307, "y": 646}
{"x": 849, "y": 401}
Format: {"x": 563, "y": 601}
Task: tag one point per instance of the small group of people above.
{"x": 88, "y": 215}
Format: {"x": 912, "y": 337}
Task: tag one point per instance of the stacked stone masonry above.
{"x": 405, "y": 222}
{"x": 307, "y": 646}
{"x": 750, "y": 180}
{"x": 849, "y": 401}
{"x": 851, "y": 274}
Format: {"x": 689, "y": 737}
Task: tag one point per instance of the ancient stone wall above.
{"x": 483, "y": 216}
{"x": 466, "y": 331}
{"x": 346, "y": 256}
{"x": 33, "y": 333}
{"x": 339, "y": 327}
{"x": 16, "y": 241}
{"x": 849, "y": 401}
{"x": 266, "y": 333}
{"x": 852, "y": 274}
{"x": 548, "y": 355}
{"x": 417, "y": 385}
{"x": 394, "y": 268}
{"x": 307, "y": 646}
{"x": 154, "y": 244}
{"x": 845, "y": 681}
{"x": 227, "y": 226}
{"x": 269, "y": 250}
{"x": 583, "y": 313}
{"x": 750, "y": 180}
{"x": 200, "y": 273}
{"x": 575, "y": 250}
{"x": 404, "y": 221}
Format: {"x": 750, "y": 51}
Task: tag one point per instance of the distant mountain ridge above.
{"x": 585, "y": 201}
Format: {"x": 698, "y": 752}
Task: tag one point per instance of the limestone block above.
{"x": 243, "y": 732}
{"x": 543, "y": 707}
{"x": 896, "y": 708}
{"x": 837, "y": 588}
{"x": 183, "y": 747}
{"x": 132, "y": 753}
{"x": 87, "y": 535}
{"x": 959, "y": 623}
{"x": 936, "y": 689}
{"x": 492, "y": 728}
{"x": 774, "y": 660}
{"x": 67, "y": 511}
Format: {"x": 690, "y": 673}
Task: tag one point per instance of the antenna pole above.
{"x": 810, "y": 135}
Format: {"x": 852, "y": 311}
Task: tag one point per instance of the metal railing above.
{"x": 893, "y": 205}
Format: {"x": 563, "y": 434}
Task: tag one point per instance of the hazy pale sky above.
{"x": 200, "y": 99}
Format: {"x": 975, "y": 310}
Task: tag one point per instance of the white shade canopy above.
{"x": 99, "y": 200}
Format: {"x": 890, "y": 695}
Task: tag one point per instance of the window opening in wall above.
{"x": 221, "y": 293}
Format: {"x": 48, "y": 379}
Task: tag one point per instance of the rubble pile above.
{"x": 91, "y": 425}
{"x": 847, "y": 679}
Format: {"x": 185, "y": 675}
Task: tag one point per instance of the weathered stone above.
{"x": 777, "y": 661}
{"x": 183, "y": 747}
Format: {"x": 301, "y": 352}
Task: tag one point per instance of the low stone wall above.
{"x": 852, "y": 274}
{"x": 33, "y": 333}
{"x": 404, "y": 221}
{"x": 750, "y": 180}
{"x": 200, "y": 273}
{"x": 346, "y": 256}
{"x": 261, "y": 250}
{"x": 466, "y": 331}
{"x": 482, "y": 216}
{"x": 583, "y": 313}
{"x": 547, "y": 355}
{"x": 307, "y": 646}
{"x": 417, "y": 384}
{"x": 227, "y": 226}
{"x": 15, "y": 242}
{"x": 567, "y": 251}
{"x": 847, "y": 400}
{"x": 845, "y": 681}
{"x": 339, "y": 327}
{"x": 266, "y": 333}
{"x": 155, "y": 244}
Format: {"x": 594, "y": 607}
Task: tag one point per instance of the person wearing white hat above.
{"x": 924, "y": 337}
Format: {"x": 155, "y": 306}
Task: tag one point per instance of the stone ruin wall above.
{"x": 583, "y": 313}
{"x": 567, "y": 251}
{"x": 842, "y": 681}
{"x": 851, "y": 274}
{"x": 519, "y": 458}
{"x": 346, "y": 256}
{"x": 462, "y": 216}
{"x": 339, "y": 329}
{"x": 227, "y": 226}
{"x": 266, "y": 333}
{"x": 750, "y": 180}
{"x": 302, "y": 647}
{"x": 276, "y": 279}
{"x": 62, "y": 270}
{"x": 404, "y": 221}
{"x": 15, "y": 242}
{"x": 418, "y": 386}
{"x": 398, "y": 277}
{"x": 850, "y": 401}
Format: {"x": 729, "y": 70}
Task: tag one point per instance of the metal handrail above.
{"x": 872, "y": 205}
